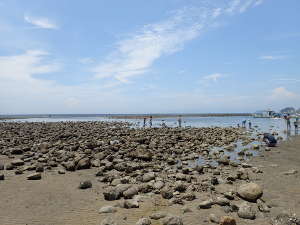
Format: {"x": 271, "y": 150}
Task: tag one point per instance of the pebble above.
{"x": 34, "y": 176}
{"x": 144, "y": 221}
{"x": 213, "y": 218}
{"x": 227, "y": 220}
{"x": 206, "y": 204}
{"x": 172, "y": 220}
{"x": 85, "y": 184}
{"x": 108, "y": 209}
{"x": 158, "y": 215}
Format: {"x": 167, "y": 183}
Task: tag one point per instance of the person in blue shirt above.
{"x": 270, "y": 140}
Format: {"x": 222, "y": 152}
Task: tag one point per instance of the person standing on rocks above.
{"x": 288, "y": 122}
{"x": 270, "y": 140}
{"x": 250, "y": 124}
{"x": 144, "y": 125}
{"x": 150, "y": 121}
{"x": 179, "y": 121}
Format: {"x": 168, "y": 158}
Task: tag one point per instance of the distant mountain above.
{"x": 290, "y": 110}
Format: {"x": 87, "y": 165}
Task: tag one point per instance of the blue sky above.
{"x": 185, "y": 56}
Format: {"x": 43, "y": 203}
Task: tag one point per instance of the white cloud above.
{"x": 241, "y": 6}
{"x": 40, "y": 22}
{"x": 213, "y": 77}
{"x": 273, "y": 57}
{"x": 282, "y": 92}
{"x": 135, "y": 56}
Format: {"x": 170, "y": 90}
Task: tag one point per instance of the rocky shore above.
{"x": 143, "y": 176}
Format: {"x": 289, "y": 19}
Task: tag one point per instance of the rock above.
{"x": 129, "y": 193}
{"x": 108, "y": 209}
{"x": 39, "y": 168}
{"x": 172, "y": 220}
{"x": 250, "y": 191}
{"x": 213, "y": 218}
{"x": 255, "y": 146}
{"x": 84, "y": 163}
{"x": 227, "y": 220}
{"x": 17, "y": 162}
{"x": 186, "y": 209}
{"x": 34, "y": 176}
{"x": 70, "y": 166}
{"x": 148, "y": 177}
{"x": 131, "y": 203}
{"x": 221, "y": 201}
{"x": 9, "y": 166}
{"x": 262, "y": 206}
{"x": 2, "y": 177}
{"x": 1, "y": 166}
{"x": 144, "y": 221}
{"x": 190, "y": 196}
{"x": 85, "y": 184}
{"x": 285, "y": 219}
{"x": 290, "y": 172}
{"x": 108, "y": 221}
{"x": 167, "y": 193}
{"x": 206, "y": 204}
{"x": 61, "y": 171}
{"x": 223, "y": 161}
{"x": 19, "y": 171}
{"x": 16, "y": 151}
{"x": 158, "y": 215}
{"x": 180, "y": 186}
{"x": 112, "y": 194}
{"x": 158, "y": 185}
{"x": 246, "y": 211}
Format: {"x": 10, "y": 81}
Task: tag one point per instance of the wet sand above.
{"x": 56, "y": 199}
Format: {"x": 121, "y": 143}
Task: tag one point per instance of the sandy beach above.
{"x": 142, "y": 173}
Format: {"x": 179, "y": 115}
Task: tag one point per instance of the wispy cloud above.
{"x": 40, "y": 22}
{"x": 273, "y": 57}
{"x": 135, "y": 55}
{"x": 213, "y": 77}
{"x": 86, "y": 60}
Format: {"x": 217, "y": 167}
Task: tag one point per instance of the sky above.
{"x": 158, "y": 56}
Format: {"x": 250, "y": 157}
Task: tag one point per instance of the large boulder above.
{"x": 250, "y": 192}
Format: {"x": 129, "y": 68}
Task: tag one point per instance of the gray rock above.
{"x": 39, "y": 168}
{"x": 262, "y": 206}
{"x": 129, "y": 193}
{"x": 2, "y": 177}
{"x": 172, "y": 220}
{"x": 222, "y": 201}
{"x": 158, "y": 185}
{"x": 144, "y": 221}
{"x": 250, "y": 191}
{"x": 158, "y": 215}
{"x": 290, "y": 172}
{"x": 206, "y": 204}
{"x": 34, "y": 176}
{"x": 131, "y": 203}
{"x": 17, "y": 162}
{"x": 246, "y": 211}
{"x": 112, "y": 194}
{"x": 84, "y": 163}
{"x": 9, "y": 166}
{"x": 213, "y": 218}
{"x": 148, "y": 177}
{"x": 108, "y": 221}
{"x": 85, "y": 184}
{"x": 1, "y": 166}
{"x": 108, "y": 209}
{"x": 167, "y": 193}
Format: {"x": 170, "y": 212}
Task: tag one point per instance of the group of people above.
{"x": 179, "y": 120}
{"x": 288, "y": 122}
{"x": 244, "y": 124}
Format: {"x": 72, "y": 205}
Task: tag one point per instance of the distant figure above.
{"x": 144, "y": 125}
{"x": 270, "y": 140}
{"x": 296, "y": 123}
{"x": 150, "y": 121}
{"x": 238, "y": 125}
{"x": 179, "y": 121}
{"x": 163, "y": 124}
{"x": 250, "y": 124}
{"x": 288, "y": 121}
{"x": 244, "y": 124}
